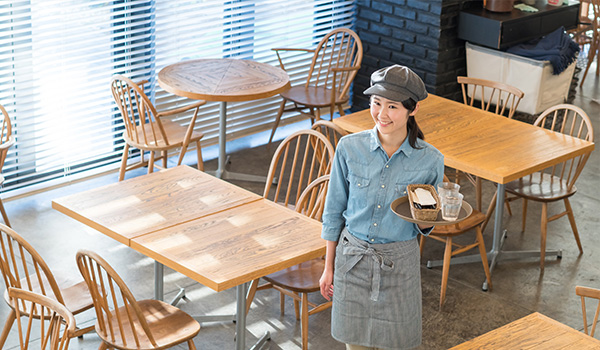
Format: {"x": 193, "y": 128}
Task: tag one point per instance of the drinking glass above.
{"x": 447, "y": 189}
{"x": 451, "y": 205}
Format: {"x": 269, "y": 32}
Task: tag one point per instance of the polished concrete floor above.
{"x": 518, "y": 286}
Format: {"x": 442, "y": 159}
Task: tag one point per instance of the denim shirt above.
{"x": 364, "y": 182}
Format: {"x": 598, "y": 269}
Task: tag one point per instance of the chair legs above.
{"x": 544, "y": 229}
{"x": 191, "y": 344}
{"x": 445, "y": 270}
{"x": 277, "y": 120}
{"x": 573, "y": 225}
{"x": 12, "y": 316}
{"x": 199, "y": 155}
{"x": 124, "y": 162}
{"x": 4, "y": 216}
{"x": 304, "y": 321}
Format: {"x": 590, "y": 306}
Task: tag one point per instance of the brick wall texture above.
{"x": 420, "y": 34}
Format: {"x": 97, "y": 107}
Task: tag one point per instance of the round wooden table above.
{"x": 224, "y": 80}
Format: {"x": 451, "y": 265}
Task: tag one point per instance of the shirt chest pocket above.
{"x": 359, "y": 182}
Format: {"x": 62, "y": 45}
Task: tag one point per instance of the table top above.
{"x": 532, "y": 332}
{"x": 212, "y": 231}
{"x": 137, "y": 206}
{"x": 482, "y": 143}
{"x": 236, "y": 246}
{"x": 225, "y": 80}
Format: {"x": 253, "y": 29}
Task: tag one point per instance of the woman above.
{"x": 372, "y": 264}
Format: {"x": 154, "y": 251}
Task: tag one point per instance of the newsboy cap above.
{"x": 397, "y": 83}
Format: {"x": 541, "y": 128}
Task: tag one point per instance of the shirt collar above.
{"x": 376, "y": 143}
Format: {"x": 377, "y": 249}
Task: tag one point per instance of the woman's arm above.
{"x": 326, "y": 281}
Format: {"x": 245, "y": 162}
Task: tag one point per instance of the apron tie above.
{"x": 381, "y": 263}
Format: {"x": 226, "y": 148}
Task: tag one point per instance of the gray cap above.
{"x": 397, "y": 83}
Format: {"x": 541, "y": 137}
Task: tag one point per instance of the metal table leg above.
{"x": 222, "y": 172}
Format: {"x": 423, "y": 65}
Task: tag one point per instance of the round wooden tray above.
{"x": 400, "y": 207}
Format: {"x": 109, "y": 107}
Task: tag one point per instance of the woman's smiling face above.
{"x": 390, "y": 116}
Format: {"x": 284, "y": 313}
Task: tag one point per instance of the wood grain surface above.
{"x": 148, "y": 203}
{"x": 226, "y": 80}
{"x": 235, "y": 246}
{"x": 482, "y": 143}
{"x": 534, "y": 331}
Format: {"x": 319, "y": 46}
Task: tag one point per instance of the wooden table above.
{"x": 224, "y": 80}
{"x": 486, "y": 145}
{"x": 532, "y": 332}
{"x": 216, "y": 233}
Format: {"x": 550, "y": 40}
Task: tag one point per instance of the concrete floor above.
{"x": 518, "y": 286}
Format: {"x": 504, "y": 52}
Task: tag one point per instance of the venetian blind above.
{"x": 57, "y": 58}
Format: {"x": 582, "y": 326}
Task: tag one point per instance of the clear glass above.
{"x": 447, "y": 189}
{"x": 451, "y": 206}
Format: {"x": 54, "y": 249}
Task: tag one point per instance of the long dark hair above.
{"x": 414, "y": 132}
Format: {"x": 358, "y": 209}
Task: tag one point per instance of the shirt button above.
{"x": 404, "y": 192}
{"x": 372, "y": 240}
{"x": 375, "y": 224}
{"x": 387, "y": 166}
{"x": 358, "y": 185}
{"x": 382, "y": 186}
{"x": 378, "y": 206}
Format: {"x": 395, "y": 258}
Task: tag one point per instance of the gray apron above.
{"x": 377, "y": 293}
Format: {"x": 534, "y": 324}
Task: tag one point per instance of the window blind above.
{"x": 57, "y": 58}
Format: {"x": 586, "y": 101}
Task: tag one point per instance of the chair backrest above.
{"x": 573, "y": 121}
{"x": 336, "y": 62}
{"x": 300, "y": 158}
{"x": 586, "y": 292}
{"x": 328, "y": 128}
{"x": 143, "y": 129}
{"x": 489, "y": 93}
{"x": 57, "y": 323}
{"x": 7, "y": 138}
{"x": 312, "y": 199}
{"x": 22, "y": 267}
{"x": 119, "y": 317}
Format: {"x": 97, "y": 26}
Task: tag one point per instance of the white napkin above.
{"x": 424, "y": 197}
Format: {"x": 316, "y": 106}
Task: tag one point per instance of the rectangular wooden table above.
{"x": 216, "y": 233}
{"x": 487, "y": 145}
{"x": 532, "y": 332}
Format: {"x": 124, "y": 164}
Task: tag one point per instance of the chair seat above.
{"x": 167, "y": 324}
{"x": 77, "y": 296}
{"x": 311, "y": 96}
{"x": 475, "y": 219}
{"x": 301, "y": 278}
{"x": 175, "y": 134}
{"x": 552, "y": 188}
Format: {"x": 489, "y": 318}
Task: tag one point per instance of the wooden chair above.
{"x": 582, "y": 37}
{"x": 336, "y": 61}
{"x": 300, "y": 280}
{"x": 446, "y": 234}
{"x": 333, "y": 132}
{"x": 122, "y": 322}
{"x": 7, "y": 139}
{"x": 504, "y": 99}
{"x": 22, "y": 267}
{"x": 58, "y": 323}
{"x": 558, "y": 182}
{"x": 593, "y": 293}
{"x": 148, "y": 130}
{"x": 300, "y": 159}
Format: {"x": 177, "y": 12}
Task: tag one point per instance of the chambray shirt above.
{"x": 364, "y": 182}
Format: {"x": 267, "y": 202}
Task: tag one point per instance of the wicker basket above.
{"x": 423, "y": 214}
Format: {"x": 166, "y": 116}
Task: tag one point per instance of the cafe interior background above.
{"x": 56, "y": 61}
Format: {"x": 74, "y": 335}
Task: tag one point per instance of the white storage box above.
{"x": 542, "y": 89}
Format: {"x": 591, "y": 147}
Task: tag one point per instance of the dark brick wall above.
{"x": 420, "y": 34}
